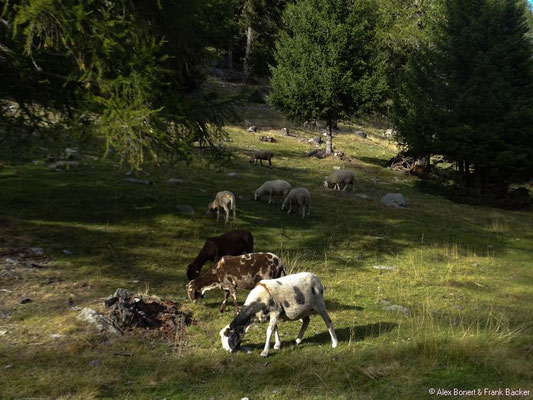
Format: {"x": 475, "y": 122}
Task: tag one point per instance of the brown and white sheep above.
{"x": 236, "y": 272}
{"x": 232, "y": 243}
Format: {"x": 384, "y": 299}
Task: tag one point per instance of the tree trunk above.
{"x": 245, "y": 66}
{"x": 468, "y": 179}
{"x": 329, "y": 139}
{"x": 230, "y": 54}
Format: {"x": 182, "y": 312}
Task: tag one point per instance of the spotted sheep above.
{"x": 232, "y": 243}
{"x": 236, "y": 272}
{"x": 289, "y": 298}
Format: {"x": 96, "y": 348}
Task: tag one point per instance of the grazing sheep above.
{"x": 262, "y": 155}
{"x": 300, "y": 197}
{"x": 225, "y": 200}
{"x": 232, "y": 243}
{"x": 288, "y": 298}
{"x": 232, "y": 272}
{"x": 340, "y": 176}
{"x": 271, "y": 188}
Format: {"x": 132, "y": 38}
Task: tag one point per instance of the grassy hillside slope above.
{"x": 464, "y": 273}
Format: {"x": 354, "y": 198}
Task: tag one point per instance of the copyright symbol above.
{"x": 431, "y": 391}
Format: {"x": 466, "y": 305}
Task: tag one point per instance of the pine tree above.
{"x": 326, "y": 68}
{"x": 469, "y": 94}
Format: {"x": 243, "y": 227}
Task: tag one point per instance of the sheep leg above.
{"x": 323, "y": 312}
{"x": 270, "y": 199}
{"x": 226, "y": 209}
{"x": 345, "y": 186}
{"x": 277, "y": 345}
{"x": 271, "y": 327}
{"x": 234, "y": 296}
{"x": 218, "y": 213}
{"x": 305, "y": 323}
{"x": 269, "y": 164}
{"x": 290, "y": 208}
{"x": 223, "y": 305}
{"x": 261, "y": 161}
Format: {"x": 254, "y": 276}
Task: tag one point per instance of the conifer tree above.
{"x": 326, "y": 68}
{"x": 469, "y": 94}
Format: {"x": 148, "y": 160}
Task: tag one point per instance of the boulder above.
{"x": 317, "y": 141}
{"x": 101, "y": 322}
{"x": 361, "y": 134}
{"x": 394, "y": 200}
{"x": 268, "y": 139}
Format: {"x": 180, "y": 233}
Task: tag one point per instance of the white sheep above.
{"x": 225, "y": 200}
{"x": 300, "y": 197}
{"x": 340, "y": 176}
{"x": 279, "y": 187}
{"x": 289, "y": 298}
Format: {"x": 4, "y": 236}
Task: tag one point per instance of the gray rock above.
{"x": 185, "y": 209}
{"x": 361, "y": 134}
{"x": 38, "y": 251}
{"x": 252, "y": 129}
{"x": 11, "y": 261}
{"x": 25, "y": 300}
{"x": 72, "y": 154}
{"x": 233, "y": 174}
{"x": 67, "y": 252}
{"x": 3, "y": 332}
{"x": 395, "y": 200}
{"x": 95, "y": 363}
{"x": 395, "y": 307}
{"x": 317, "y": 141}
{"x": 384, "y": 268}
{"x": 102, "y": 323}
{"x": 268, "y": 139}
{"x": 363, "y": 196}
{"x": 175, "y": 180}
{"x": 139, "y": 181}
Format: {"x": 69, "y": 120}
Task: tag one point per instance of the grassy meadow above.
{"x": 465, "y": 274}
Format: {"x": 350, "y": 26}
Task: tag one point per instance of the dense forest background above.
{"x": 455, "y": 80}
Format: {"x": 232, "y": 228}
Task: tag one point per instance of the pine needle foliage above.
{"x": 127, "y": 70}
{"x": 468, "y": 94}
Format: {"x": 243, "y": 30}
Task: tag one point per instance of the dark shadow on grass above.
{"x": 359, "y": 333}
{"x": 374, "y": 160}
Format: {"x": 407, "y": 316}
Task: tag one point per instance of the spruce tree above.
{"x": 326, "y": 68}
{"x": 469, "y": 94}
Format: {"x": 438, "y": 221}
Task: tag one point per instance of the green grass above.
{"x": 464, "y": 272}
